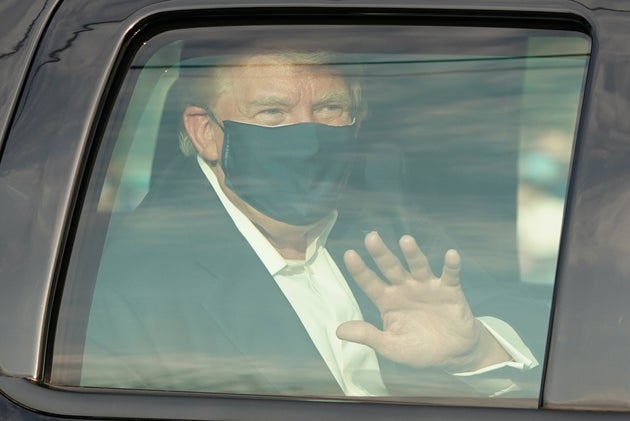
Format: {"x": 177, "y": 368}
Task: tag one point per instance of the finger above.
{"x": 387, "y": 262}
{"x": 452, "y": 266}
{"x": 416, "y": 260}
{"x": 362, "y": 333}
{"x": 365, "y": 277}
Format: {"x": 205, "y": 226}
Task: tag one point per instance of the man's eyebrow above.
{"x": 333, "y": 97}
{"x": 279, "y": 101}
{"x": 268, "y": 101}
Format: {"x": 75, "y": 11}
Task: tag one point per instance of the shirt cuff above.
{"x": 522, "y": 357}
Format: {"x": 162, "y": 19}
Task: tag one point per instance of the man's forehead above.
{"x": 281, "y": 80}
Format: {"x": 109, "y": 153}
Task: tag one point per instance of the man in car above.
{"x": 239, "y": 273}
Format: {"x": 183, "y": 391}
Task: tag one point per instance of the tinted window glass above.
{"x": 334, "y": 211}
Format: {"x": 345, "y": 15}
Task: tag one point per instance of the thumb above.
{"x": 360, "y": 332}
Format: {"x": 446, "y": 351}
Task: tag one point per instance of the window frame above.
{"x": 119, "y": 124}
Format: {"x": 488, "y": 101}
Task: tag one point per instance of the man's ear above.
{"x": 201, "y": 132}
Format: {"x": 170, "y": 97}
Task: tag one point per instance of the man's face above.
{"x": 267, "y": 90}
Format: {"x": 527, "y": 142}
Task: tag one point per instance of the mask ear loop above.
{"x": 211, "y": 115}
{"x": 215, "y": 119}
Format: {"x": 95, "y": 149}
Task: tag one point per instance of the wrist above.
{"x": 486, "y": 351}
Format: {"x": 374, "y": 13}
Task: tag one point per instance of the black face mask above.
{"x": 293, "y": 173}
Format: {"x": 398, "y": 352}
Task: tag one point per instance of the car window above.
{"x": 368, "y": 211}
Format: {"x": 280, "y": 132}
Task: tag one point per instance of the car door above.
{"x": 493, "y": 130}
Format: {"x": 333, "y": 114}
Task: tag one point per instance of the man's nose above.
{"x": 302, "y": 114}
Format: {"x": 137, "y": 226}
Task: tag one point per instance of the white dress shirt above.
{"x": 321, "y": 298}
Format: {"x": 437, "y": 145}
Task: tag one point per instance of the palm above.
{"x": 426, "y": 319}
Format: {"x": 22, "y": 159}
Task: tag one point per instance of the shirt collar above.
{"x": 273, "y": 261}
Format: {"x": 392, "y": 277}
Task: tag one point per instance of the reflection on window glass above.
{"x": 313, "y": 214}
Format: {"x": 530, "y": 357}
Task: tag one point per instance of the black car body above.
{"x": 59, "y": 63}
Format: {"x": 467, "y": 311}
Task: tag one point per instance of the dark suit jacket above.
{"x": 183, "y": 303}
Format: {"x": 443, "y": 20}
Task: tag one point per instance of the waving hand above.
{"x": 427, "y": 321}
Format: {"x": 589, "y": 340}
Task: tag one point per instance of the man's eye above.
{"x": 332, "y": 108}
{"x": 270, "y": 116}
{"x": 328, "y": 113}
